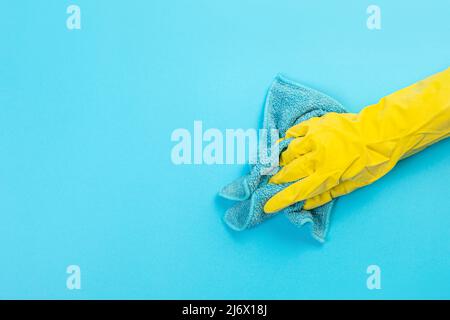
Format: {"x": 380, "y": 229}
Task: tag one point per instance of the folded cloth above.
{"x": 287, "y": 104}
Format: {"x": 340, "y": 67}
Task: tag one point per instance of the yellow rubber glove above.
{"x": 338, "y": 153}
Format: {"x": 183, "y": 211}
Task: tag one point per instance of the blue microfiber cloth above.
{"x": 287, "y": 104}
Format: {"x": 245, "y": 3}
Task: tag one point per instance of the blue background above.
{"x": 86, "y": 176}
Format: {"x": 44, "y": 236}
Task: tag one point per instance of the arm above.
{"x": 335, "y": 154}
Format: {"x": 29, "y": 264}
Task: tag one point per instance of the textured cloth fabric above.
{"x": 287, "y": 104}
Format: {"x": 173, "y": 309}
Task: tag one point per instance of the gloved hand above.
{"x": 338, "y": 153}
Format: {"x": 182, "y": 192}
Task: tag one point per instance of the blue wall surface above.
{"x": 86, "y": 176}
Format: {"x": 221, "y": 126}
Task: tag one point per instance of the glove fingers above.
{"x": 337, "y": 191}
{"x": 301, "y": 190}
{"x": 300, "y": 129}
{"x": 346, "y": 187}
{"x": 297, "y": 169}
{"x": 318, "y": 200}
{"x": 298, "y": 147}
